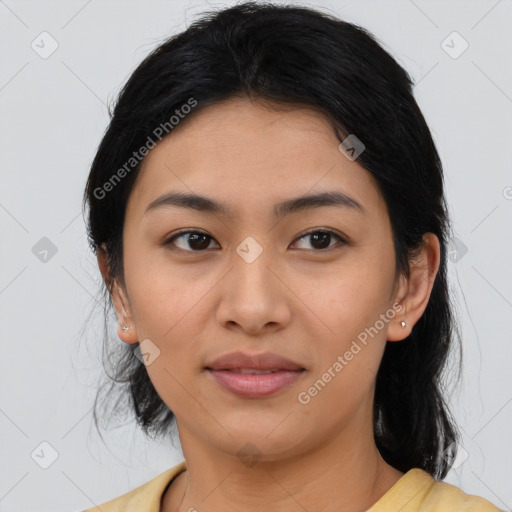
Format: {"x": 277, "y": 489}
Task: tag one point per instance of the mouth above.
{"x": 250, "y": 383}
{"x": 254, "y": 375}
{"x": 245, "y": 362}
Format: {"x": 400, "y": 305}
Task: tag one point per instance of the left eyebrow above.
{"x": 296, "y": 204}
{"x": 332, "y": 198}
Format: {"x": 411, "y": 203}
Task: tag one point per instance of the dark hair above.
{"x": 291, "y": 55}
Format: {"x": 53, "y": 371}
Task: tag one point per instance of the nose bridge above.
{"x": 251, "y": 297}
{"x": 251, "y": 261}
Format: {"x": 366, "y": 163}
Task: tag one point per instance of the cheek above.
{"x": 350, "y": 351}
{"x": 170, "y": 308}
{"x": 353, "y": 297}
{"x": 162, "y": 297}
{"x": 352, "y": 304}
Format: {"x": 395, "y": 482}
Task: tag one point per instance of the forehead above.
{"x": 246, "y": 154}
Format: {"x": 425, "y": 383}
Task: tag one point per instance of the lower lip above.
{"x": 255, "y": 385}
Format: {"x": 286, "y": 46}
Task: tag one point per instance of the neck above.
{"x": 347, "y": 473}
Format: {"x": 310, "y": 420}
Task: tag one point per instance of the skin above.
{"x": 296, "y": 299}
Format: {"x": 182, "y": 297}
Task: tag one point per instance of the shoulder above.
{"x": 447, "y": 497}
{"x": 145, "y": 498}
{"x": 418, "y": 491}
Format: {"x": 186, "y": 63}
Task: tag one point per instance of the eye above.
{"x": 320, "y": 238}
{"x": 197, "y": 240}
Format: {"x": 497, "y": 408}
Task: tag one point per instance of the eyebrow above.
{"x": 296, "y": 204}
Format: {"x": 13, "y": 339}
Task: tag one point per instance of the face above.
{"x": 309, "y": 284}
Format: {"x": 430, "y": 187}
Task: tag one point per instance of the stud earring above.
{"x": 402, "y": 323}
{"x": 125, "y": 327}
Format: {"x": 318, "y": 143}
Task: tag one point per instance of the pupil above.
{"x": 323, "y": 237}
{"x": 194, "y": 237}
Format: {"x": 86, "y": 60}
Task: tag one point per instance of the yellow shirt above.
{"x": 416, "y": 491}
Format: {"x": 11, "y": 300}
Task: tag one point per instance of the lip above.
{"x": 227, "y": 372}
{"x": 262, "y": 361}
{"x": 255, "y": 385}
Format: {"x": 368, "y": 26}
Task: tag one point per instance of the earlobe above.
{"x": 400, "y": 327}
{"x": 414, "y": 293}
{"x": 127, "y": 333}
{"x": 125, "y": 326}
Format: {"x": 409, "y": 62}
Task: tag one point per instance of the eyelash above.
{"x": 317, "y": 230}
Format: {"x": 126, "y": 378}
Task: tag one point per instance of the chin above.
{"x": 265, "y": 444}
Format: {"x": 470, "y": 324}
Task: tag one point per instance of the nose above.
{"x": 254, "y": 297}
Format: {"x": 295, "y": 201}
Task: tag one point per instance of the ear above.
{"x": 414, "y": 293}
{"x": 119, "y": 299}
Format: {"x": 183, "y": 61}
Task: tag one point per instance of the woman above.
{"x": 268, "y": 215}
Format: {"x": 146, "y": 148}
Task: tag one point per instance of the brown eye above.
{"x": 198, "y": 241}
{"x": 191, "y": 241}
{"x": 321, "y": 239}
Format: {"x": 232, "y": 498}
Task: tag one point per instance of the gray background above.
{"x": 53, "y": 114}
